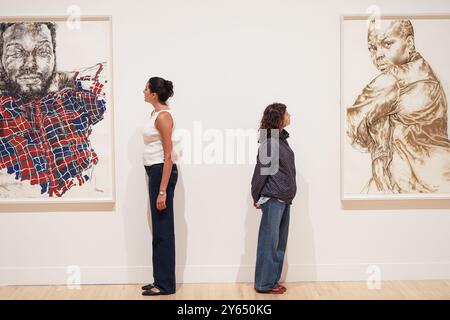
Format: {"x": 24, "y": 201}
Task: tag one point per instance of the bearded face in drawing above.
{"x": 28, "y": 60}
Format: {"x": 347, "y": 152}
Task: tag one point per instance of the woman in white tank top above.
{"x": 160, "y": 165}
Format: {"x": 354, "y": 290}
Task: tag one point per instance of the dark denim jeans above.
{"x": 163, "y": 229}
{"x": 272, "y": 241}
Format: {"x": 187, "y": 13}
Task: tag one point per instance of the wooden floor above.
{"x": 240, "y": 291}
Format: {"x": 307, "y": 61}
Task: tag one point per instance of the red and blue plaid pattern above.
{"x": 46, "y": 141}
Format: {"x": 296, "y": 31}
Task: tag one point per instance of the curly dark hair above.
{"x": 272, "y": 119}
{"x": 273, "y": 116}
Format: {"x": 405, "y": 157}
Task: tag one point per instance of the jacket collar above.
{"x": 283, "y": 135}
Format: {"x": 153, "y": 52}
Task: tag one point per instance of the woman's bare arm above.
{"x": 164, "y": 124}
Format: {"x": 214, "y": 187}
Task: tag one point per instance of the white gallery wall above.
{"x": 228, "y": 60}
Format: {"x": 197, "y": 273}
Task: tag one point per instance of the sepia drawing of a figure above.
{"x": 46, "y": 116}
{"x": 400, "y": 117}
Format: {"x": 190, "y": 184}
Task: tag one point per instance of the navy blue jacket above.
{"x": 280, "y": 182}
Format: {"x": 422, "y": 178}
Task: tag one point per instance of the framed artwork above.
{"x": 395, "y": 84}
{"x": 56, "y": 110}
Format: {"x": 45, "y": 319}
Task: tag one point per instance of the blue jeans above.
{"x": 163, "y": 243}
{"x": 272, "y": 241}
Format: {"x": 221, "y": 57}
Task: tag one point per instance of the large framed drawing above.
{"x": 395, "y": 84}
{"x": 56, "y": 110}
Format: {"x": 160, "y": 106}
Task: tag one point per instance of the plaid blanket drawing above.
{"x": 46, "y": 141}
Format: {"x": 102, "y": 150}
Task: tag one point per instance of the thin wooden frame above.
{"x": 376, "y": 197}
{"x": 86, "y": 204}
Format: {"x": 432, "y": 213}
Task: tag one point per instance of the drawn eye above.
{"x": 16, "y": 54}
{"x": 44, "y": 52}
{"x": 388, "y": 44}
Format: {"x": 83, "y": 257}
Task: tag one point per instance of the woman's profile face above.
{"x": 286, "y": 119}
{"x": 148, "y": 95}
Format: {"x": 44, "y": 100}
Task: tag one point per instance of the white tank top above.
{"x": 153, "y": 149}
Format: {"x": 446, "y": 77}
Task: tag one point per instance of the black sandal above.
{"x": 148, "y": 287}
{"x": 153, "y": 293}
